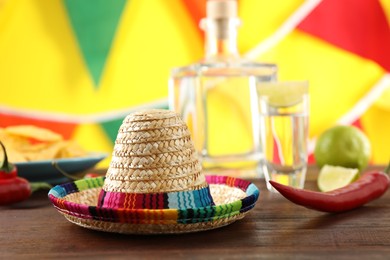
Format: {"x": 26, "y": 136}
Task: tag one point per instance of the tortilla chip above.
{"x": 34, "y": 132}
{"x": 30, "y": 143}
{"x": 71, "y": 149}
{"x": 13, "y": 155}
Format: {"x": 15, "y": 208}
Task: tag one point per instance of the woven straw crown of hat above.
{"x": 154, "y": 165}
{"x": 154, "y": 184}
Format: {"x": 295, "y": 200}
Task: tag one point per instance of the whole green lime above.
{"x": 345, "y": 146}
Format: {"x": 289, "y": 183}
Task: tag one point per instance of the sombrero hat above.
{"x": 154, "y": 184}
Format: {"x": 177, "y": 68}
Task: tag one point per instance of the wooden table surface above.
{"x": 275, "y": 228}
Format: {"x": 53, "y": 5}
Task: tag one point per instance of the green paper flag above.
{"x": 95, "y": 23}
{"x": 111, "y": 128}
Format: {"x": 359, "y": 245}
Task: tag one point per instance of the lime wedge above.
{"x": 334, "y": 177}
{"x": 283, "y": 94}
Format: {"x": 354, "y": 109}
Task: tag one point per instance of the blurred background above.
{"x": 79, "y": 67}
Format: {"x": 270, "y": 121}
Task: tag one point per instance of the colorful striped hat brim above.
{"x": 78, "y": 201}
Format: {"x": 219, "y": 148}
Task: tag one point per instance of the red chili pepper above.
{"x": 368, "y": 187}
{"x": 12, "y": 188}
{"x": 92, "y": 175}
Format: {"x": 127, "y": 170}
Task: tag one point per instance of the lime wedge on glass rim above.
{"x": 283, "y": 94}
{"x": 334, "y": 177}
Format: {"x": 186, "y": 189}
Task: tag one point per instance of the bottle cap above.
{"x": 217, "y": 9}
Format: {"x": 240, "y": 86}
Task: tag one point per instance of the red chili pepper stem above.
{"x": 5, "y": 166}
{"x": 67, "y": 175}
{"x": 13, "y": 189}
{"x": 35, "y": 186}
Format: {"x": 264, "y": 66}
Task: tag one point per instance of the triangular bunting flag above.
{"x": 95, "y": 23}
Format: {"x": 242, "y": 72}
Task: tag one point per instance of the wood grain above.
{"x": 276, "y": 228}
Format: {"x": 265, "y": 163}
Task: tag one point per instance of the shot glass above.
{"x": 284, "y": 122}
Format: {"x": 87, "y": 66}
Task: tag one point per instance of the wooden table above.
{"x": 275, "y": 228}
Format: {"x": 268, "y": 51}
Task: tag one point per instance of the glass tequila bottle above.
{"x": 217, "y": 97}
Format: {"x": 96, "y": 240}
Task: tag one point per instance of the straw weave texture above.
{"x": 221, "y": 195}
{"x": 152, "y": 229}
{"x": 153, "y": 153}
{"x": 154, "y": 184}
{"x": 233, "y": 199}
{"x": 152, "y": 135}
